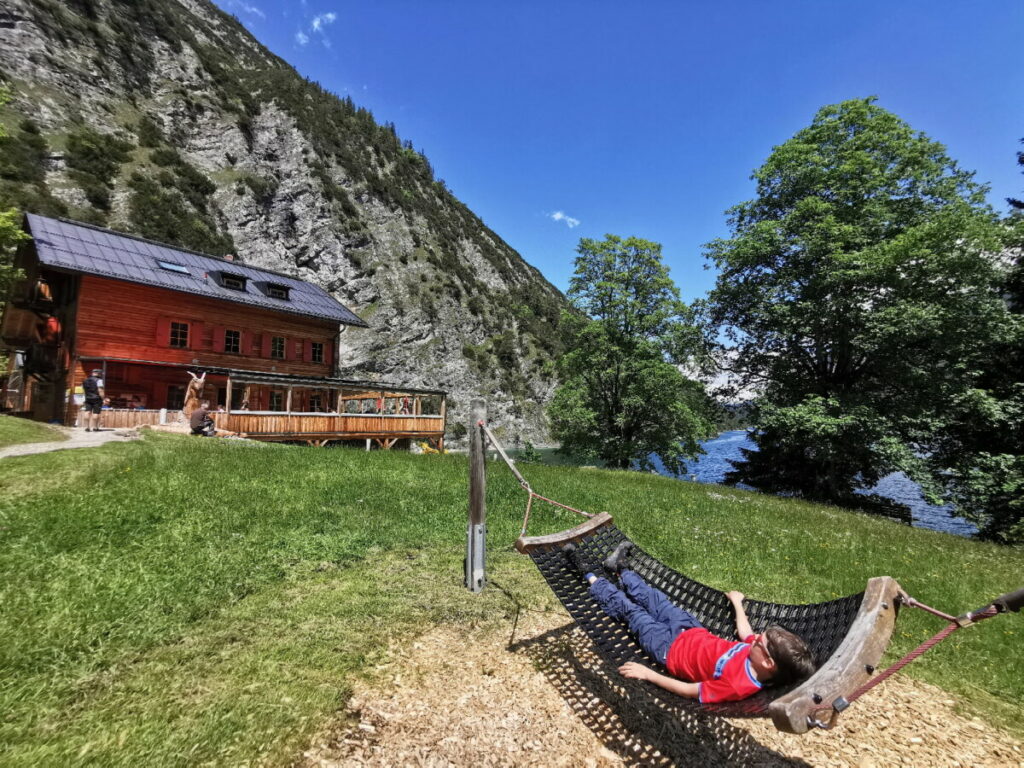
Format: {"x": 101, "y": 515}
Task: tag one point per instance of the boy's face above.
{"x": 763, "y": 658}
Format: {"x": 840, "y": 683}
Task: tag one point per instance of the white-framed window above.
{"x": 178, "y": 334}
{"x": 276, "y": 291}
{"x": 234, "y": 282}
{"x": 277, "y": 347}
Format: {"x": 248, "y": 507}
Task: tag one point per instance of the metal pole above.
{"x": 476, "y": 532}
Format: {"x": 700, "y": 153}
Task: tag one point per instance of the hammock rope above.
{"x": 847, "y": 636}
{"x": 525, "y": 485}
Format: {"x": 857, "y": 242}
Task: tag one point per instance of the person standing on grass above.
{"x": 702, "y": 666}
{"x": 94, "y": 392}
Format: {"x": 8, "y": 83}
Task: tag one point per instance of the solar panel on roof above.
{"x": 172, "y": 267}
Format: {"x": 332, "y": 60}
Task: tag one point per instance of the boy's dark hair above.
{"x": 794, "y": 661}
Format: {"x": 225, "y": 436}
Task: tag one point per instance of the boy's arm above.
{"x": 743, "y": 628}
{"x": 671, "y": 684}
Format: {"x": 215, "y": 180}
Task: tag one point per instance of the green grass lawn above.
{"x": 177, "y": 601}
{"x": 14, "y": 431}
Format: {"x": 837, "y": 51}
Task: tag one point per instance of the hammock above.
{"x": 850, "y": 633}
{"x": 847, "y": 636}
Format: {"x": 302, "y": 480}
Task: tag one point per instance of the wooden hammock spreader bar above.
{"x": 850, "y": 666}
{"x": 1010, "y": 602}
{"x": 528, "y": 544}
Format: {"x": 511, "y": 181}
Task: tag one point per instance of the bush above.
{"x": 529, "y": 454}
{"x": 263, "y": 187}
{"x": 165, "y": 156}
{"x": 95, "y": 155}
{"x": 162, "y": 214}
{"x": 149, "y": 133}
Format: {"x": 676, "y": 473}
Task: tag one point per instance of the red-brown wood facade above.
{"x": 117, "y": 320}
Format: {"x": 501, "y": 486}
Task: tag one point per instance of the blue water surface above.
{"x": 719, "y": 451}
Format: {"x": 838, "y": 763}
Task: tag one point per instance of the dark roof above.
{"x": 75, "y": 247}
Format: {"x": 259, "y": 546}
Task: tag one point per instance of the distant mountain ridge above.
{"x": 167, "y": 119}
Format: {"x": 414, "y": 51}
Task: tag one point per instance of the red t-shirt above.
{"x": 721, "y": 667}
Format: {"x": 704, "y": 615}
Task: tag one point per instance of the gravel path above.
{"x": 464, "y": 698}
{"x": 77, "y": 438}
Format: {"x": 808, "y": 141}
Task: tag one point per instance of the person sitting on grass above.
{"x": 201, "y": 421}
{"x": 702, "y": 666}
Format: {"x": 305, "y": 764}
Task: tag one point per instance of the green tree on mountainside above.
{"x": 10, "y": 235}
{"x": 10, "y": 229}
{"x": 858, "y": 295}
{"x": 622, "y": 397}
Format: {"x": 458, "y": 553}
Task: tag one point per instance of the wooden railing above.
{"x": 126, "y": 418}
{"x": 302, "y": 426}
{"x": 273, "y": 425}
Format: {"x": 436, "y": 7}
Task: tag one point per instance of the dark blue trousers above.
{"x": 652, "y": 617}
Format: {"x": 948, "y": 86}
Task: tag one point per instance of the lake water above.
{"x": 714, "y": 463}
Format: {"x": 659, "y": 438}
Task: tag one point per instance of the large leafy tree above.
{"x": 978, "y": 455}
{"x": 855, "y": 295}
{"x": 622, "y": 397}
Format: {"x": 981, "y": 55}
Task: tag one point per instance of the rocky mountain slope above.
{"x": 167, "y": 119}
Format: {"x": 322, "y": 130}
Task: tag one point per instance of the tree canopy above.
{"x": 977, "y": 456}
{"x": 623, "y": 398}
{"x": 855, "y": 296}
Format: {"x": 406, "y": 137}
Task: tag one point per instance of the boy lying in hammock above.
{"x": 711, "y": 669}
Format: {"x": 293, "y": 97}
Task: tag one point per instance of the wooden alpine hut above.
{"x": 153, "y": 317}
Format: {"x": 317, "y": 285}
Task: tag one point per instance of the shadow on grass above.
{"x": 630, "y": 719}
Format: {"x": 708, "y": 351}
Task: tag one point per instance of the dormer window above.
{"x": 234, "y": 282}
{"x": 277, "y": 291}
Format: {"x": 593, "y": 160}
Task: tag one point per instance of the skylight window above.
{"x": 170, "y": 266}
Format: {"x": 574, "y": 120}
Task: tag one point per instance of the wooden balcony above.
{"x": 302, "y": 409}
{"x": 386, "y": 429}
{"x": 313, "y": 428}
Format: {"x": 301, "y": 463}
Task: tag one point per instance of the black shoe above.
{"x": 581, "y": 561}
{"x": 619, "y": 557}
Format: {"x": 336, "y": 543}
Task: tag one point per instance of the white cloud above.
{"x": 570, "y": 222}
{"x": 252, "y": 10}
{"x": 319, "y": 22}
{"x": 301, "y": 37}
{"x": 319, "y": 26}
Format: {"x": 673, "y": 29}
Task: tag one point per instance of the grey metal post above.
{"x": 476, "y": 533}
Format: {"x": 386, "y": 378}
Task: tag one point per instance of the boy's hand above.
{"x": 735, "y": 596}
{"x": 636, "y": 671}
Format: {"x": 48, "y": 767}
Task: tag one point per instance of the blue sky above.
{"x": 567, "y": 119}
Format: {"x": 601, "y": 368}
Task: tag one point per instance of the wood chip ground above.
{"x": 460, "y": 697}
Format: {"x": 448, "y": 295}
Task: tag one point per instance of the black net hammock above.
{"x": 847, "y": 636}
